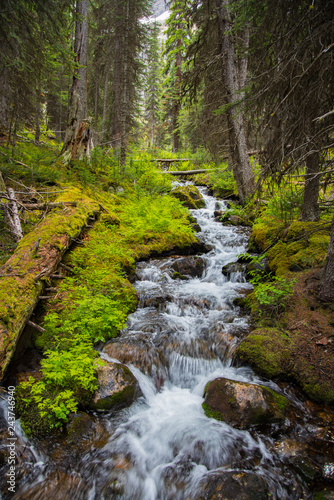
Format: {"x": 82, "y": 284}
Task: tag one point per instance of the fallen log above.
{"x": 23, "y": 275}
{"x": 189, "y": 172}
{"x": 45, "y": 206}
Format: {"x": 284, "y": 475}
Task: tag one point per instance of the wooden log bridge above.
{"x": 36, "y": 258}
{"x": 189, "y": 172}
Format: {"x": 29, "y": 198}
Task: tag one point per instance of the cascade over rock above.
{"x": 242, "y": 404}
{"x": 233, "y": 485}
{"x": 189, "y": 266}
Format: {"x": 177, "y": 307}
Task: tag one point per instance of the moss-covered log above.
{"x": 36, "y": 257}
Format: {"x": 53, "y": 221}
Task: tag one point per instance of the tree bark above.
{"x": 117, "y": 82}
{"x": 310, "y": 210}
{"x": 177, "y": 101}
{"x": 78, "y": 95}
{"x": 80, "y": 49}
{"x": 326, "y": 289}
{"x": 242, "y": 170}
{"x": 125, "y": 103}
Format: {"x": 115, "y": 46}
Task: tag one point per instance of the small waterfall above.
{"x": 164, "y": 446}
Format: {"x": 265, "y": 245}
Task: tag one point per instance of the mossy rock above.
{"x": 118, "y": 388}
{"x": 267, "y": 350}
{"x": 110, "y": 220}
{"x": 244, "y": 405}
{"x": 305, "y": 246}
{"x": 263, "y": 234}
{"x": 189, "y": 196}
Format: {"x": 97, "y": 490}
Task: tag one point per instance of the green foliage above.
{"x": 223, "y": 182}
{"x": 41, "y": 410}
{"x": 285, "y": 204}
{"x": 272, "y": 296}
{"x": 97, "y": 316}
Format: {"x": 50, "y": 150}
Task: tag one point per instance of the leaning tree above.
{"x": 292, "y": 88}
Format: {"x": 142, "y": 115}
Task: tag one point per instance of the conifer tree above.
{"x": 153, "y": 84}
{"x": 176, "y": 44}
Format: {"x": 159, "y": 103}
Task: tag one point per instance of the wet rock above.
{"x": 233, "y": 485}
{"x": 193, "y": 223}
{"x": 244, "y": 405}
{"x": 189, "y": 266}
{"x": 140, "y": 352}
{"x": 189, "y": 196}
{"x": 257, "y": 268}
{"x": 58, "y": 486}
{"x": 198, "y": 247}
{"x": 305, "y": 468}
{"x": 118, "y": 388}
{"x": 233, "y": 267}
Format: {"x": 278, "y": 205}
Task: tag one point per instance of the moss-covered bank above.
{"x": 293, "y": 337}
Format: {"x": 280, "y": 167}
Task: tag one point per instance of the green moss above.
{"x": 118, "y": 400}
{"x": 189, "y": 196}
{"x": 211, "y": 414}
{"x": 264, "y": 232}
{"x": 280, "y": 402}
{"x": 302, "y": 249}
{"x": 267, "y": 351}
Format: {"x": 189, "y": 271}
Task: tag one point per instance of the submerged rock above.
{"x": 189, "y": 195}
{"x": 189, "y": 266}
{"x": 242, "y": 404}
{"x": 118, "y": 388}
{"x": 233, "y": 485}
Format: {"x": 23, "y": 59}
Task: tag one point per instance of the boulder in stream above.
{"x": 118, "y": 387}
{"x": 244, "y": 405}
{"x": 189, "y": 196}
{"x": 233, "y": 485}
{"x": 189, "y": 266}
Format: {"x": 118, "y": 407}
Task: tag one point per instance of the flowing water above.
{"x": 163, "y": 446}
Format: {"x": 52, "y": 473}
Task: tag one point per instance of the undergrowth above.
{"x": 92, "y": 303}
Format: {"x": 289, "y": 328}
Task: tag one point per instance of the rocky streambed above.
{"x": 193, "y": 423}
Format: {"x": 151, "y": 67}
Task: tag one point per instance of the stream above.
{"x": 164, "y": 447}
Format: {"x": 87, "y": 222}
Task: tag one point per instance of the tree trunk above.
{"x": 242, "y": 170}
{"x": 310, "y": 211}
{"x": 38, "y": 113}
{"x": 80, "y": 49}
{"x": 105, "y": 101}
{"x": 125, "y": 104}
{"x": 77, "y": 121}
{"x": 177, "y": 103}
{"x": 326, "y": 289}
{"x": 117, "y": 88}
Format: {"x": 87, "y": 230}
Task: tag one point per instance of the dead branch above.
{"x": 37, "y": 327}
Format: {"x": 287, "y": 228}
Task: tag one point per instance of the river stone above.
{"x": 189, "y": 196}
{"x": 142, "y": 353}
{"x": 243, "y": 405}
{"x": 232, "y": 267}
{"x": 57, "y": 485}
{"x": 233, "y": 485}
{"x": 118, "y": 388}
{"x": 189, "y": 266}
